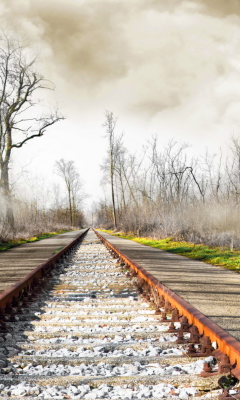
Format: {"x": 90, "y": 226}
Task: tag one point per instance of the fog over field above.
{"x": 169, "y": 67}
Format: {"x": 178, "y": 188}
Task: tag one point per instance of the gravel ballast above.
{"x": 90, "y": 335}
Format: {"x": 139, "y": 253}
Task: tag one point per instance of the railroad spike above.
{"x": 206, "y": 348}
{"x": 161, "y": 301}
{"x": 2, "y": 313}
{"x": 134, "y": 273}
{"x": 207, "y": 370}
{"x": 164, "y": 317}
{"x": 191, "y": 350}
{"x": 10, "y": 312}
{"x": 224, "y": 365}
{"x": 175, "y": 315}
{"x": 180, "y": 339}
{"x": 194, "y": 335}
{"x": 3, "y": 326}
{"x": 185, "y": 326}
{"x": 172, "y": 328}
{"x": 146, "y": 297}
{"x": 167, "y": 307}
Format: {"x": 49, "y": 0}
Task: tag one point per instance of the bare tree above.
{"x": 67, "y": 171}
{"x": 21, "y": 117}
{"x": 114, "y": 146}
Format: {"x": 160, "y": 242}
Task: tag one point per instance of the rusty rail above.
{"x": 226, "y": 343}
{"x": 30, "y": 280}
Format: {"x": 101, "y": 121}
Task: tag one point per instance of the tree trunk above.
{"x": 112, "y": 190}
{"x": 70, "y": 206}
{"x": 5, "y": 190}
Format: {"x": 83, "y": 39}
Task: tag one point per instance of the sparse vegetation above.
{"x": 213, "y": 255}
{"x": 14, "y": 243}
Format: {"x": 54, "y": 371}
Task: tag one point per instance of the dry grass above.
{"x": 212, "y": 224}
{"x": 30, "y": 222}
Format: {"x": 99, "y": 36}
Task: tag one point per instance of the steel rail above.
{"x": 30, "y": 280}
{"x": 226, "y": 344}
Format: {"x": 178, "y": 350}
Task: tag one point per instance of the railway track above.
{"x": 92, "y": 332}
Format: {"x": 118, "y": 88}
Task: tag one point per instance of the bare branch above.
{"x": 39, "y": 134}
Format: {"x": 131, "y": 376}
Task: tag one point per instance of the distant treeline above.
{"x": 165, "y": 193}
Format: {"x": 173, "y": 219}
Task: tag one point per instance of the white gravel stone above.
{"x": 103, "y": 303}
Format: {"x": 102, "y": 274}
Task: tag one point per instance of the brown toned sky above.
{"x": 169, "y": 67}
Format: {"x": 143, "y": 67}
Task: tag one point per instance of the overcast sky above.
{"x": 168, "y": 67}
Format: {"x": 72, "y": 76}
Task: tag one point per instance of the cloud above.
{"x": 221, "y": 8}
{"x": 145, "y": 56}
{"x": 83, "y": 38}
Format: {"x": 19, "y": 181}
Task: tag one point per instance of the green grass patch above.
{"x": 14, "y": 243}
{"x": 223, "y": 257}
{"x": 56, "y": 251}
